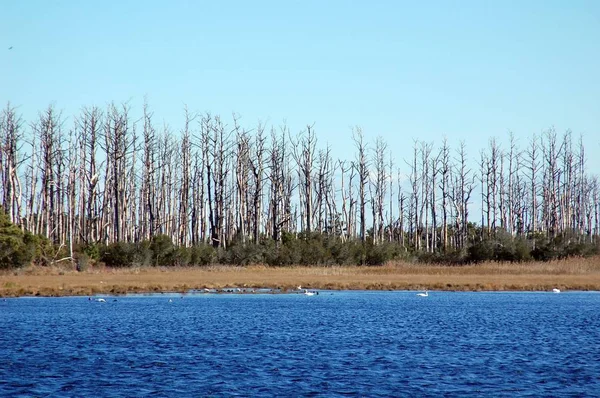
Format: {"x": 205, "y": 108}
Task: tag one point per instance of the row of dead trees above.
{"x": 107, "y": 178}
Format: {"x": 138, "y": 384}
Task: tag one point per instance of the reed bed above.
{"x": 570, "y": 274}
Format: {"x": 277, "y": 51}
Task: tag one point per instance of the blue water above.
{"x": 333, "y": 344}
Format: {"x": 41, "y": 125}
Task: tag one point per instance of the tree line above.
{"x": 107, "y": 178}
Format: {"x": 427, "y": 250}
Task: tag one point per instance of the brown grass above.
{"x": 571, "y": 274}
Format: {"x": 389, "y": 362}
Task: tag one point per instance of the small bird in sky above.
{"x": 10, "y": 48}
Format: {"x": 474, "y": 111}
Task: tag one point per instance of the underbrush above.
{"x": 19, "y": 249}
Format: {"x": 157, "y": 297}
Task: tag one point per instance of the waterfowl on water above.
{"x": 423, "y": 294}
{"x": 555, "y": 290}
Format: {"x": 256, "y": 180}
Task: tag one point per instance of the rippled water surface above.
{"x": 333, "y": 344}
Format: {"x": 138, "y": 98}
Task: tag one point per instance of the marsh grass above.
{"x": 569, "y": 274}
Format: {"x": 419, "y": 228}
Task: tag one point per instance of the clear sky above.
{"x": 467, "y": 70}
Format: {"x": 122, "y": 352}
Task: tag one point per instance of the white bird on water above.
{"x": 101, "y": 300}
{"x": 555, "y": 290}
{"x": 306, "y": 292}
{"x": 423, "y": 294}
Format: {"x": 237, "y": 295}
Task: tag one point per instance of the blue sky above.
{"x": 467, "y": 70}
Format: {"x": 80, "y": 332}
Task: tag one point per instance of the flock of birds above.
{"x": 426, "y": 294}
{"x": 307, "y": 292}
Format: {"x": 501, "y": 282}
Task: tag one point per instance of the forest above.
{"x": 122, "y": 190}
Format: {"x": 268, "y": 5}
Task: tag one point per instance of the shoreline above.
{"x": 572, "y": 274}
{"x": 316, "y": 292}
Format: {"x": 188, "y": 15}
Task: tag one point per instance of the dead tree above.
{"x": 166, "y": 184}
{"x": 433, "y": 202}
{"x": 551, "y": 152}
{"x": 276, "y": 174}
{"x": 464, "y": 183}
{"x": 391, "y": 220}
{"x": 256, "y": 163}
{"x": 399, "y": 227}
{"x": 362, "y": 170}
{"x": 323, "y": 187}
{"x": 89, "y": 126}
{"x": 511, "y": 191}
{"x": 303, "y": 152}
{"x": 217, "y": 152}
{"x": 379, "y": 187}
{"x": 47, "y": 130}
{"x": 242, "y": 180}
{"x": 11, "y": 137}
{"x": 117, "y": 144}
{"x": 533, "y": 164}
{"x": 580, "y": 176}
{"x": 445, "y": 171}
{"x": 413, "y": 212}
{"x": 148, "y": 193}
{"x": 489, "y": 177}
{"x": 185, "y": 165}
{"x": 72, "y": 228}
{"x": 426, "y": 190}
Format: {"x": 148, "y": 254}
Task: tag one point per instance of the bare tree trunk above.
{"x": 362, "y": 169}
{"x": 216, "y": 167}
{"x": 11, "y": 137}
{"x": 391, "y": 199}
{"x": 380, "y": 186}
{"x": 48, "y": 131}
{"x": 184, "y": 185}
{"x": 463, "y": 187}
{"x": 257, "y": 169}
{"x": 278, "y": 210}
{"x": 71, "y": 187}
{"x": 552, "y": 176}
{"x": 425, "y": 191}
{"x": 433, "y": 203}
{"x": 446, "y": 169}
{"x": 511, "y": 191}
{"x": 90, "y": 125}
{"x": 304, "y": 155}
{"x": 148, "y": 194}
{"x": 414, "y": 218}
{"x": 117, "y": 144}
{"x": 533, "y": 165}
{"x": 401, "y": 211}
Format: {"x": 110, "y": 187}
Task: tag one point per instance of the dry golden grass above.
{"x": 571, "y": 274}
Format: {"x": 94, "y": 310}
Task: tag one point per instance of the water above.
{"x": 333, "y": 344}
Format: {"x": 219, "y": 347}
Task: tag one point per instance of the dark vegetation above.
{"x": 112, "y": 188}
{"x": 19, "y": 248}
{"x": 317, "y": 249}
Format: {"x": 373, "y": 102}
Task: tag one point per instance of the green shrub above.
{"x": 522, "y": 251}
{"x": 17, "y": 248}
{"x": 239, "y": 253}
{"x": 182, "y": 256}
{"x": 82, "y": 261}
{"x": 92, "y": 250}
{"x": 202, "y": 254}
{"x": 119, "y": 254}
{"x": 381, "y": 253}
{"x": 481, "y": 251}
{"x": 163, "y": 251}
